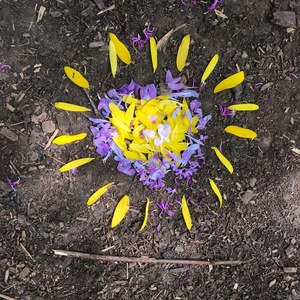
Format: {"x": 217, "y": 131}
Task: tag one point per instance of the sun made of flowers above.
{"x": 150, "y": 133}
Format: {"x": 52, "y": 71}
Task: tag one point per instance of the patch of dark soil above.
{"x": 260, "y": 216}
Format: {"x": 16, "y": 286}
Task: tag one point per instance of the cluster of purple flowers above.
{"x": 152, "y": 171}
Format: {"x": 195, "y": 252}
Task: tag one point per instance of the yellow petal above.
{"x": 241, "y": 132}
{"x": 153, "y": 50}
{"x": 120, "y": 211}
{"x": 223, "y": 160}
{"x": 230, "y": 82}
{"x": 113, "y": 58}
{"x": 121, "y": 49}
{"x": 76, "y": 77}
{"x": 66, "y": 139}
{"x": 182, "y": 53}
{"x": 216, "y": 191}
{"x": 210, "y": 67}
{"x": 75, "y": 163}
{"x": 243, "y": 107}
{"x": 186, "y": 213}
{"x": 146, "y": 215}
{"x": 99, "y": 193}
{"x": 70, "y": 107}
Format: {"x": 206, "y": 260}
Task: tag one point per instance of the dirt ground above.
{"x": 260, "y": 218}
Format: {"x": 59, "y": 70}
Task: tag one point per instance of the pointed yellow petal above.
{"x": 66, "y": 139}
{"x": 244, "y": 107}
{"x": 146, "y": 215}
{"x": 223, "y": 160}
{"x": 75, "y": 163}
{"x": 76, "y": 77}
{"x": 94, "y": 197}
{"x": 113, "y": 58}
{"x": 216, "y": 191}
{"x": 182, "y": 53}
{"x": 241, "y": 132}
{"x": 230, "y": 82}
{"x": 210, "y": 67}
{"x": 121, "y": 49}
{"x": 120, "y": 211}
{"x": 70, "y": 107}
{"x": 186, "y": 214}
{"x": 153, "y": 50}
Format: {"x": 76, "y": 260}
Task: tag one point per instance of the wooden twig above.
{"x": 7, "y": 297}
{"x": 106, "y": 9}
{"x": 53, "y": 136}
{"x": 91, "y": 101}
{"x": 148, "y": 260}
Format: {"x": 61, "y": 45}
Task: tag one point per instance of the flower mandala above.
{"x": 151, "y": 132}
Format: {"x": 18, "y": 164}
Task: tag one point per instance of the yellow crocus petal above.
{"x": 113, "y": 58}
{"x": 119, "y": 125}
{"x": 120, "y": 211}
{"x": 117, "y": 112}
{"x": 70, "y": 107}
{"x": 241, "y": 132}
{"x": 76, "y": 77}
{"x": 230, "y": 82}
{"x": 244, "y": 107}
{"x": 66, "y": 139}
{"x": 138, "y": 148}
{"x": 186, "y": 214}
{"x": 75, "y": 164}
{"x": 121, "y": 49}
{"x": 132, "y": 155}
{"x": 143, "y": 119}
{"x": 128, "y": 116}
{"x": 153, "y": 50}
{"x": 146, "y": 215}
{"x": 210, "y": 67}
{"x": 182, "y": 53}
{"x": 216, "y": 191}
{"x": 98, "y": 194}
{"x": 223, "y": 160}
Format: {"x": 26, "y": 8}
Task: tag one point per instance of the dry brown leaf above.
{"x": 162, "y": 43}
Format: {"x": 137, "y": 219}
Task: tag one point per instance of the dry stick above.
{"x": 7, "y": 297}
{"x": 91, "y": 101}
{"x": 148, "y": 260}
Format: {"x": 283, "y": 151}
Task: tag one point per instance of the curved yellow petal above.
{"x": 153, "y": 51}
{"x": 66, "y": 139}
{"x": 210, "y": 67}
{"x": 121, "y": 49}
{"x": 113, "y": 58}
{"x": 223, "y": 160}
{"x": 186, "y": 213}
{"x": 216, "y": 191}
{"x": 146, "y": 215}
{"x": 75, "y": 164}
{"x": 70, "y": 107}
{"x": 244, "y": 107}
{"x": 76, "y": 77}
{"x": 241, "y": 132}
{"x": 120, "y": 211}
{"x": 230, "y": 82}
{"x": 95, "y": 196}
{"x": 182, "y": 53}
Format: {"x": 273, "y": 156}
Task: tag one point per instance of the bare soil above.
{"x": 260, "y": 218}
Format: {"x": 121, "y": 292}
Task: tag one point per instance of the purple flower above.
{"x": 214, "y": 5}
{"x": 225, "y": 112}
{"x": 164, "y": 207}
{"x": 173, "y": 83}
{"x": 13, "y": 184}
{"x": 138, "y": 41}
